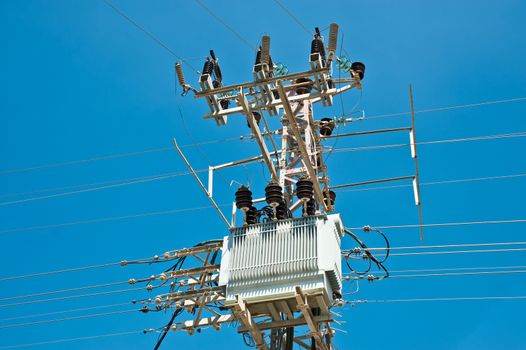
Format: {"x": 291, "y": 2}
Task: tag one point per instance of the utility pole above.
{"x": 280, "y": 272}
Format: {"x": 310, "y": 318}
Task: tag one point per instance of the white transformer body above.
{"x": 265, "y": 262}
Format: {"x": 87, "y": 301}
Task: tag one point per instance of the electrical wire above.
{"x": 113, "y": 313}
{"x": 223, "y": 23}
{"x": 498, "y": 177}
{"x": 450, "y": 274}
{"x": 453, "y": 245}
{"x": 32, "y": 199}
{"x": 41, "y": 227}
{"x": 95, "y": 286}
{"x": 397, "y": 145}
{"x": 237, "y": 138}
{"x": 62, "y": 312}
{"x": 451, "y": 224}
{"x": 149, "y": 34}
{"x": 446, "y": 108}
{"x": 67, "y": 340}
{"x": 437, "y": 299}
{"x": 341, "y": 150}
{"x": 116, "y": 156}
{"x": 107, "y": 219}
{"x": 457, "y": 269}
{"x": 38, "y": 301}
{"x": 291, "y": 15}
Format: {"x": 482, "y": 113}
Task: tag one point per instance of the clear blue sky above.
{"x": 78, "y": 81}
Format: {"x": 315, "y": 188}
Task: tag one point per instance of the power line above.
{"x": 95, "y": 286}
{"x": 450, "y": 246}
{"x": 446, "y": 108}
{"x": 62, "y": 312}
{"x": 150, "y": 35}
{"x": 507, "y": 250}
{"x": 56, "y": 272}
{"x": 291, "y": 15}
{"x": 63, "y": 194}
{"x": 114, "y": 156}
{"x": 38, "y": 301}
{"x": 453, "y": 269}
{"x": 237, "y": 138}
{"x": 220, "y": 20}
{"x": 499, "y": 177}
{"x": 465, "y": 139}
{"x": 340, "y": 150}
{"x": 450, "y": 224}
{"x": 107, "y": 219}
{"x": 437, "y": 299}
{"x": 66, "y": 340}
{"x": 112, "y": 313}
{"x": 449, "y": 274}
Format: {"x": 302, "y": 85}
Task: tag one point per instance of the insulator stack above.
{"x": 333, "y": 40}
{"x": 180, "y": 74}
{"x": 257, "y": 118}
{"x": 208, "y": 67}
{"x": 306, "y": 86}
{"x": 243, "y": 198}
{"x": 326, "y": 126}
{"x": 251, "y": 216}
{"x": 317, "y": 47}
{"x": 274, "y": 194}
{"x": 265, "y": 50}
{"x": 358, "y": 68}
{"x": 330, "y": 199}
{"x": 281, "y": 211}
{"x": 311, "y": 207}
{"x": 304, "y": 190}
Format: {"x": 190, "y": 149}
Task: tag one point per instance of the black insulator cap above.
{"x": 257, "y": 117}
{"x": 216, "y": 84}
{"x": 224, "y": 103}
{"x": 281, "y": 211}
{"x": 326, "y": 126}
{"x": 257, "y": 64}
{"x": 359, "y": 68}
{"x": 304, "y": 89}
{"x": 311, "y": 207}
{"x": 329, "y": 201}
{"x": 243, "y": 198}
{"x": 304, "y": 190}
{"x": 208, "y": 67}
{"x": 274, "y": 194}
{"x": 251, "y": 216}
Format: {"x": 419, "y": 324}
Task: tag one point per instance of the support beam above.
{"x": 200, "y": 183}
{"x": 373, "y": 182}
{"x": 303, "y": 149}
{"x": 416, "y": 181}
{"x": 369, "y": 132}
{"x": 242, "y": 314}
{"x": 309, "y": 318}
{"x": 247, "y": 111}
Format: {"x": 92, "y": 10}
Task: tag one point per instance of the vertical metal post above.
{"x": 416, "y": 180}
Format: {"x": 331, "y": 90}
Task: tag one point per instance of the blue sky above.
{"x": 78, "y": 81}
